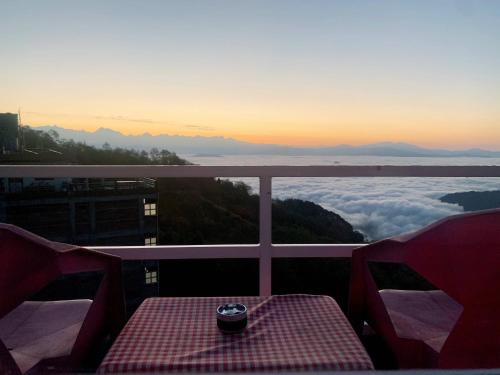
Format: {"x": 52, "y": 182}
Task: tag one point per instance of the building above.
{"x": 13, "y": 148}
{"x": 9, "y": 133}
{"x": 81, "y": 211}
{"x": 89, "y": 211}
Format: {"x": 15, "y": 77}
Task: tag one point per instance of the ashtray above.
{"x": 232, "y": 317}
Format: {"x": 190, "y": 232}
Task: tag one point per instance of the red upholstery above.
{"x": 460, "y": 255}
{"x": 36, "y": 330}
{"x": 428, "y": 316}
{"x": 28, "y": 263}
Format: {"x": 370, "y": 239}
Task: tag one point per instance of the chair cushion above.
{"x": 37, "y": 330}
{"x": 427, "y": 316}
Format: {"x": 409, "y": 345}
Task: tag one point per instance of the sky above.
{"x": 309, "y": 72}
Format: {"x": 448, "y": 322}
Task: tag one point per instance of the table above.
{"x": 284, "y": 333}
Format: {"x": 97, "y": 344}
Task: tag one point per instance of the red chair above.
{"x": 457, "y": 326}
{"x": 38, "y": 335}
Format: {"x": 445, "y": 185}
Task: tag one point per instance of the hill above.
{"x": 214, "y": 211}
{"x": 474, "y": 200}
{"x": 205, "y": 211}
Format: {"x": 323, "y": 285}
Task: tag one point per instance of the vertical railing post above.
{"x": 265, "y": 237}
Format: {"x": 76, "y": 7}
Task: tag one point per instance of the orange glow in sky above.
{"x": 310, "y": 73}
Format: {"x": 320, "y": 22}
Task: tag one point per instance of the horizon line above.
{"x": 305, "y": 147}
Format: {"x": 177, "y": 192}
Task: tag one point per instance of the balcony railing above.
{"x": 265, "y": 250}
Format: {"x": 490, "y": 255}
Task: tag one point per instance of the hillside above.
{"x": 474, "y": 200}
{"x": 213, "y": 211}
{"x": 71, "y": 151}
{"x": 205, "y": 211}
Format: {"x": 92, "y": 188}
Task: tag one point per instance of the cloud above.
{"x": 151, "y": 121}
{"x": 383, "y": 207}
{"x": 127, "y": 119}
{"x": 200, "y": 127}
{"x": 380, "y": 207}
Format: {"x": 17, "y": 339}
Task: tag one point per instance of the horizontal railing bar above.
{"x": 135, "y": 171}
{"x": 180, "y": 252}
{"x": 314, "y": 250}
{"x": 163, "y": 252}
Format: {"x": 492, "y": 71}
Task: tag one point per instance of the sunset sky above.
{"x": 288, "y": 72}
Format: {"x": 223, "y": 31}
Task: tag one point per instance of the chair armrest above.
{"x": 107, "y": 312}
{"x": 363, "y": 291}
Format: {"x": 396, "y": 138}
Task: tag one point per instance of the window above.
{"x": 150, "y": 241}
{"x": 15, "y": 185}
{"x": 149, "y": 209}
{"x": 151, "y": 277}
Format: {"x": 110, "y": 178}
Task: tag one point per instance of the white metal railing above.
{"x": 265, "y": 250}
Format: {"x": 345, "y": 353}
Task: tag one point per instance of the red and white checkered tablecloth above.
{"x": 284, "y": 333}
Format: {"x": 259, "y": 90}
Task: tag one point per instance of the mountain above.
{"x": 208, "y": 210}
{"x": 298, "y": 221}
{"x": 474, "y": 200}
{"x": 177, "y": 143}
{"x": 228, "y": 146}
{"x": 215, "y": 211}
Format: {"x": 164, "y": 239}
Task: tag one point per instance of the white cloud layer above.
{"x": 378, "y": 207}
{"x": 382, "y": 207}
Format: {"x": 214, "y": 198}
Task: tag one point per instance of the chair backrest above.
{"x": 28, "y": 263}
{"x": 459, "y": 255}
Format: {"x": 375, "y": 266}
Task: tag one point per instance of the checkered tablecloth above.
{"x": 284, "y": 333}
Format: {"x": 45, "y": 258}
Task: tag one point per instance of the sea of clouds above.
{"x": 382, "y": 207}
{"x": 378, "y": 207}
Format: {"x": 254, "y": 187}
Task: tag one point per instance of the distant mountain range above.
{"x": 227, "y": 146}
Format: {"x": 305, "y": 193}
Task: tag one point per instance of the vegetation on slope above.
{"x": 80, "y": 153}
{"x": 213, "y": 211}
{"x": 474, "y": 200}
{"x": 205, "y": 210}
